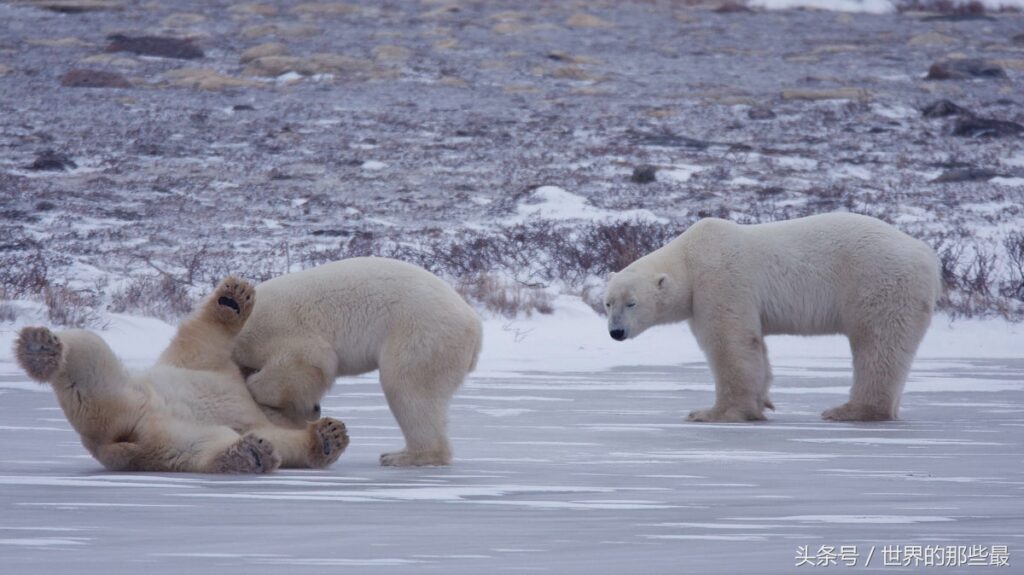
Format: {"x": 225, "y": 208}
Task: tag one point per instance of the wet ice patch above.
{"x": 508, "y": 412}
{"x": 854, "y": 519}
{"x": 578, "y": 505}
{"x": 709, "y": 537}
{"x": 407, "y": 493}
{"x": 728, "y": 455}
{"x": 336, "y": 562}
{"x": 45, "y": 541}
{"x": 891, "y": 441}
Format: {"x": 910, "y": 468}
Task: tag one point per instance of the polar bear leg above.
{"x": 767, "y": 380}
{"x": 174, "y": 445}
{"x": 419, "y": 400}
{"x": 203, "y": 341}
{"x": 739, "y": 362}
{"x": 881, "y": 362}
{"x": 317, "y": 446}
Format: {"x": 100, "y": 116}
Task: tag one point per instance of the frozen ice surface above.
{"x": 559, "y": 469}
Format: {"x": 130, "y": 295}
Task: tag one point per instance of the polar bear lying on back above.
{"x": 189, "y": 412}
{"x": 826, "y": 274}
{"x": 355, "y": 316}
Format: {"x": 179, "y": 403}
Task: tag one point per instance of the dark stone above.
{"x": 73, "y": 8}
{"x": 18, "y": 216}
{"x": 943, "y": 108}
{"x": 964, "y": 70}
{"x": 160, "y": 46}
{"x": 958, "y": 17}
{"x": 732, "y": 8}
{"x": 49, "y": 160}
{"x": 644, "y": 174}
{"x": 986, "y": 128}
{"x": 1018, "y": 39}
{"x": 760, "y": 114}
{"x": 126, "y": 215}
{"x": 950, "y": 165}
{"x": 966, "y": 175}
{"x": 45, "y": 206}
{"x": 769, "y": 191}
{"x": 80, "y": 78}
{"x": 332, "y": 233}
{"x": 243, "y": 108}
{"x": 670, "y": 140}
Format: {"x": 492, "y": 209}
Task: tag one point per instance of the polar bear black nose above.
{"x": 618, "y": 334}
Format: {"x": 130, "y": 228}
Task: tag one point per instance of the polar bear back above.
{"x": 812, "y": 275}
{"x": 353, "y": 306}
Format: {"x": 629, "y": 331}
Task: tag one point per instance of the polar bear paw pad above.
{"x": 330, "y": 440}
{"x": 39, "y": 352}
{"x": 250, "y": 454}
{"x": 234, "y": 300}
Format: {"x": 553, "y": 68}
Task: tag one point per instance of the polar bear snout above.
{"x": 617, "y": 334}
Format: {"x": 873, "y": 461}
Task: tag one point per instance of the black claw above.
{"x": 259, "y": 460}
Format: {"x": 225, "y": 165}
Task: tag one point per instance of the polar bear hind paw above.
{"x": 250, "y": 454}
{"x": 330, "y": 438}
{"x": 233, "y": 299}
{"x": 728, "y": 415}
{"x": 855, "y": 412}
{"x": 39, "y": 352}
{"x": 406, "y": 458}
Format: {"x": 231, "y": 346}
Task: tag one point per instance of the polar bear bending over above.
{"x": 826, "y": 274}
{"x": 190, "y": 412}
{"x": 355, "y": 316}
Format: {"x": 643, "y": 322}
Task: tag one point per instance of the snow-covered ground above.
{"x": 572, "y": 456}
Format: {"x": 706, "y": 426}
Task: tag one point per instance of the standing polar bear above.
{"x": 825, "y": 274}
{"x": 189, "y": 412}
{"x": 354, "y": 316}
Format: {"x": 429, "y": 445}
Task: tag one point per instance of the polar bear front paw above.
{"x": 250, "y": 454}
{"x": 330, "y": 438}
{"x": 232, "y": 301}
{"x": 854, "y": 412}
{"x": 39, "y": 352}
{"x": 727, "y": 415}
{"x": 406, "y": 458}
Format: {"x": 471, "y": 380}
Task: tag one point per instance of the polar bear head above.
{"x": 635, "y": 301}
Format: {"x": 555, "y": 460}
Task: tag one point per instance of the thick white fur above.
{"x": 189, "y": 412}
{"x": 355, "y": 316}
{"x": 827, "y": 274}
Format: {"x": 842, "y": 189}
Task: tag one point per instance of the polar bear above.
{"x": 834, "y": 273}
{"x": 189, "y": 412}
{"x": 354, "y": 316}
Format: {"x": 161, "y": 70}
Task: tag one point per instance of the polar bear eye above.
{"x": 608, "y": 305}
{"x": 631, "y": 304}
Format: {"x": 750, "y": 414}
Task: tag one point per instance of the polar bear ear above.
{"x": 611, "y": 275}
{"x": 661, "y": 281}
